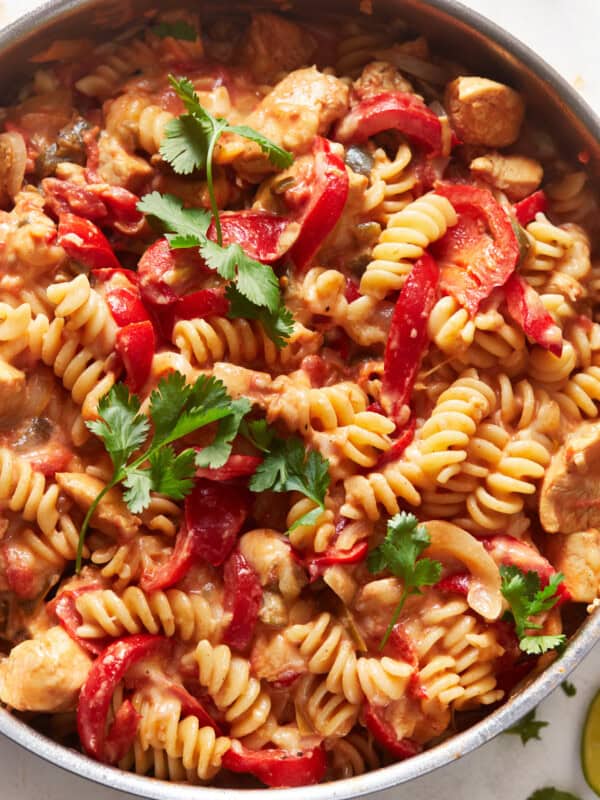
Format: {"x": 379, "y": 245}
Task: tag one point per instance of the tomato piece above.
{"x": 106, "y": 274}
{"x": 135, "y": 344}
{"x": 121, "y": 207}
{"x": 351, "y": 292}
{"x": 402, "y": 441}
{"x": 236, "y": 466}
{"x": 21, "y": 577}
{"x": 259, "y": 233}
{"x": 328, "y": 195}
{"x": 316, "y": 565}
{"x": 214, "y": 515}
{"x": 96, "y": 694}
{"x": 192, "y": 707}
{"x": 407, "y": 338}
{"x": 384, "y": 733}
{"x": 64, "y": 609}
{"x": 398, "y": 111}
{"x": 481, "y": 251}
{"x": 526, "y": 308}
{"x": 126, "y": 305}
{"x": 52, "y": 458}
{"x": 64, "y": 197}
{"x": 155, "y": 268}
{"x": 172, "y": 571}
{"x": 459, "y": 583}
{"x": 526, "y": 209}
{"x": 201, "y": 304}
{"x": 121, "y": 733}
{"x": 243, "y": 597}
{"x": 85, "y": 242}
{"x": 278, "y": 768}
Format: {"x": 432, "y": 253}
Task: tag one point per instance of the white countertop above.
{"x": 565, "y": 33}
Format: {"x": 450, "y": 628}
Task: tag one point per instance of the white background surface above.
{"x": 565, "y": 33}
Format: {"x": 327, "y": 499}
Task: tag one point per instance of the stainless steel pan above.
{"x": 481, "y": 45}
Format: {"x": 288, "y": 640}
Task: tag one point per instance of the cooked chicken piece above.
{"x": 13, "y": 389}
{"x": 484, "y": 112}
{"x": 120, "y": 168}
{"x": 570, "y": 497}
{"x": 380, "y": 76}
{"x": 375, "y": 604}
{"x": 275, "y": 659}
{"x": 112, "y": 516}
{"x": 517, "y": 176}
{"x": 577, "y": 556}
{"x": 45, "y": 673}
{"x": 303, "y": 105}
{"x": 273, "y": 45}
{"x": 270, "y": 555}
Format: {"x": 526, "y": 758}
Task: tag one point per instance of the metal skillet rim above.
{"x": 460, "y": 744}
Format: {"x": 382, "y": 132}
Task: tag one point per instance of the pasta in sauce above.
{"x": 436, "y": 254}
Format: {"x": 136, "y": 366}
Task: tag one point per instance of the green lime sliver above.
{"x": 590, "y": 745}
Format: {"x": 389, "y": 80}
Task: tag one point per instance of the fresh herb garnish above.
{"x": 399, "y": 553}
{"x": 180, "y": 29}
{"x": 190, "y": 141}
{"x": 569, "y": 688}
{"x": 550, "y": 793}
{"x": 288, "y": 467}
{"x": 528, "y": 728}
{"x": 526, "y": 599}
{"x": 254, "y": 291}
{"x": 176, "y": 410}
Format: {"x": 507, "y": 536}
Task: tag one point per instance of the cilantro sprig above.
{"x": 180, "y": 29}
{"x": 176, "y": 410}
{"x": 288, "y": 467}
{"x": 526, "y": 599}
{"x": 528, "y": 728}
{"x": 190, "y": 141}
{"x": 569, "y": 688}
{"x": 254, "y": 290}
{"x": 399, "y": 553}
{"x": 551, "y": 793}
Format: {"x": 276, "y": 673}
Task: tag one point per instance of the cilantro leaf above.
{"x": 121, "y": 426}
{"x": 172, "y": 475}
{"x": 217, "y": 453}
{"x": 278, "y": 326}
{"x": 399, "y": 553}
{"x": 528, "y": 728}
{"x": 277, "y": 155}
{"x": 258, "y": 433}
{"x": 167, "y": 213}
{"x": 550, "y": 793}
{"x": 569, "y": 688}
{"x": 222, "y": 259}
{"x": 185, "y": 144}
{"x": 526, "y": 599}
{"x": 180, "y": 29}
{"x": 255, "y": 281}
{"x": 138, "y": 483}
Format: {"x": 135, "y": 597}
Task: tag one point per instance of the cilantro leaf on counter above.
{"x": 528, "y": 728}
{"x": 180, "y": 29}
{"x": 176, "y": 409}
{"x": 569, "y": 688}
{"x": 399, "y": 553}
{"x": 526, "y": 599}
{"x": 550, "y": 793}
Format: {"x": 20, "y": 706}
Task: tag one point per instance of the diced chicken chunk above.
{"x": 275, "y": 659}
{"x": 577, "y": 556}
{"x": 484, "y": 112}
{"x": 12, "y": 389}
{"x": 380, "y": 76}
{"x": 270, "y": 555}
{"x": 45, "y": 673}
{"x": 120, "y": 168}
{"x": 303, "y": 105}
{"x": 517, "y": 176}
{"x": 570, "y": 496}
{"x": 273, "y": 45}
{"x": 112, "y": 516}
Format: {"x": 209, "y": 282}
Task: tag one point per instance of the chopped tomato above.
{"x": 401, "y": 442}
{"x": 64, "y": 609}
{"x": 278, "y": 768}
{"x": 201, "y": 304}
{"x": 243, "y": 597}
{"x": 526, "y": 308}
{"x": 317, "y": 564}
{"x": 259, "y": 233}
{"x": 126, "y": 305}
{"x": 84, "y": 242}
{"x": 135, "y": 344}
{"x": 526, "y": 209}
{"x": 384, "y": 733}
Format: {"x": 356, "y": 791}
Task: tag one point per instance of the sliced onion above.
{"x": 13, "y": 153}
{"x": 414, "y": 66}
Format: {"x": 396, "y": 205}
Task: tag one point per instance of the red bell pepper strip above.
{"x": 400, "y": 444}
{"x": 259, "y": 233}
{"x": 121, "y": 207}
{"x": 407, "y": 338}
{"x": 201, "y": 304}
{"x": 122, "y": 732}
{"x": 154, "y": 269}
{"x": 401, "y": 646}
{"x": 64, "y": 197}
{"x": 84, "y": 242}
{"x": 316, "y": 565}
{"x": 135, "y": 344}
{"x": 126, "y": 305}
{"x": 278, "y": 768}
{"x": 481, "y": 251}
{"x": 351, "y": 292}
{"x": 459, "y": 583}
{"x": 513, "y": 552}
{"x": 192, "y": 707}
{"x": 398, "y": 111}
{"x": 329, "y": 192}
{"x": 108, "y": 273}
{"x": 243, "y": 597}
{"x": 214, "y": 515}
{"x": 384, "y": 733}
{"x": 526, "y": 209}
{"x": 236, "y": 466}
{"x": 96, "y": 694}
{"x": 526, "y": 308}
{"x": 64, "y": 609}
